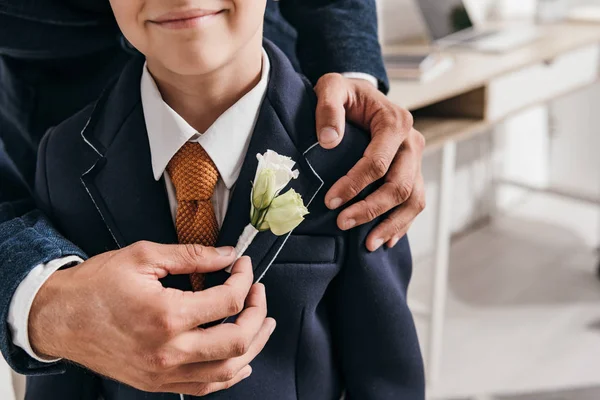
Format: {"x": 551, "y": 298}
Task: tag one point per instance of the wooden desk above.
{"x": 480, "y": 91}
{"x": 475, "y": 72}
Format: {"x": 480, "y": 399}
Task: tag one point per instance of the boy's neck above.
{"x": 201, "y": 99}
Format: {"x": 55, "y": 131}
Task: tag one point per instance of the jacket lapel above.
{"x": 120, "y": 182}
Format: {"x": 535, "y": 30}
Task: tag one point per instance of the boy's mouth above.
{"x": 185, "y": 19}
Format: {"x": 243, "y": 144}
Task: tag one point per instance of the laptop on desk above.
{"x": 450, "y": 24}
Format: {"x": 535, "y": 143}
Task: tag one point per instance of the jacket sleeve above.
{"x": 55, "y": 29}
{"x": 27, "y": 239}
{"x": 374, "y": 332}
{"x": 336, "y": 36}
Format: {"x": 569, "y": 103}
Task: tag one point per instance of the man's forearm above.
{"x": 54, "y": 30}
{"x": 22, "y": 301}
{"x": 27, "y": 240}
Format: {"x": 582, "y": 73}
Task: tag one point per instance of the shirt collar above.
{"x": 226, "y": 141}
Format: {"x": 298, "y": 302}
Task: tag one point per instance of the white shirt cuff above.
{"x": 361, "y": 75}
{"x": 20, "y": 305}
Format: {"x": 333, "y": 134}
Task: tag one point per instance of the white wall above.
{"x": 401, "y": 19}
{"x": 6, "y": 383}
{"x": 398, "y": 19}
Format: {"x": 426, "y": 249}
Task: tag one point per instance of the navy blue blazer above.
{"x": 343, "y": 320}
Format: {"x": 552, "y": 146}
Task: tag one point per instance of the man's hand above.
{"x": 394, "y": 154}
{"x": 112, "y": 315}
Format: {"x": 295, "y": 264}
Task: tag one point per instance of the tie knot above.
{"x": 193, "y": 173}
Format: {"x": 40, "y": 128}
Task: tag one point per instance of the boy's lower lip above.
{"x": 186, "y": 23}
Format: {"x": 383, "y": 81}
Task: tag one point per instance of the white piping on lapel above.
{"x": 307, "y": 205}
{"x": 309, "y": 149}
{"x": 112, "y": 234}
{"x": 87, "y": 141}
{"x": 314, "y": 172}
{"x": 99, "y": 102}
{"x": 82, "y": 133}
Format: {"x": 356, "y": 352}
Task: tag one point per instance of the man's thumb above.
{"x": 330, "y": 114}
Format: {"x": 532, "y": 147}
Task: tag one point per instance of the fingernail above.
{"x": 350, "y": 223}
{"x": 394, "y": 242}
{"x": 328, "y": 135}
{"x": 335, "y": 203}
{"x": 248, "y": 373}
{"x": 377, "y": 244}
{"x": 224, "y": 251}
{"x": 272, "y": 329}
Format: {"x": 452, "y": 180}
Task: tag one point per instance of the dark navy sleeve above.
{"x": 55, "y": 29}
{"x": 27, "y": 239}
{"x": 336, "y": 36}
{"x": 374, "y": 332}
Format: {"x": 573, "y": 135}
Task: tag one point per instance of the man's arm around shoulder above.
{"x": 27, "y": 241}
{"x": 337, "y": 36}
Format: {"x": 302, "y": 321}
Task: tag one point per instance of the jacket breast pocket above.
{"x": 304, "y": 249}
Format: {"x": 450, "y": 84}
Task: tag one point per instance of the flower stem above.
{"x": 244, "y": 241}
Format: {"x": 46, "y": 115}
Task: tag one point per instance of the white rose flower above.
{"x": 280, "y": 165}
{"x": 263, "y": 190}
{"x": 270, "y": 211}
{"x": 285, "y": 213}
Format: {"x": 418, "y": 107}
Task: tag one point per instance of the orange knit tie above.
{"x": 194, "y": 176}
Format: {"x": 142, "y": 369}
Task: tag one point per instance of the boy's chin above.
{"x": 193, "y": 64}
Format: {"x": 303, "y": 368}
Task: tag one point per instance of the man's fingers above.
{"x": 332, "y": 95}
{"x": 234, "y": 339}
{"x": 397, "y": 223}
{"x": 225, "y": 339}
{"x": 219, "y": 302}
{"x": 225, "y": 370}
{"x": 370, "y": 168}
{"x": 218, "y": 353}
{"x": 175, "y": 259}
{"x": 396, "y": 190}
{"x": 203, "y": 389}
{"x": 394, "y": 241}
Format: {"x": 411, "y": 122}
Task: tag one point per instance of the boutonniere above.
{"x": 270, "y": 210}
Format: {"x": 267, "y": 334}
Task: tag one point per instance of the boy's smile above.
{"x": 204, "y": 55}
{"x": 194, "y": 37}
{"x": 187, "y": 19}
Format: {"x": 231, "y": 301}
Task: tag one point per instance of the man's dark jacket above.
{"x": 56, "y": 56}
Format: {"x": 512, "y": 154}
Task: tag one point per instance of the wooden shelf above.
{"x": 439, "y": 129}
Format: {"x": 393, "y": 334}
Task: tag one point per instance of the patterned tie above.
{"x": 194, "y": 176}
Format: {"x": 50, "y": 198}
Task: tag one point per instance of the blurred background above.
{"x": 506, "y": 251}
{"x": 506, "y": 290}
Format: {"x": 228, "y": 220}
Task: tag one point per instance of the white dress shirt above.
{"x": 226, "y": 142}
